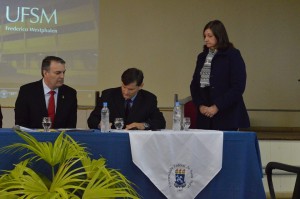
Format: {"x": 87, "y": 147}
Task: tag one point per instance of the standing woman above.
{"x": 219, "y": 82}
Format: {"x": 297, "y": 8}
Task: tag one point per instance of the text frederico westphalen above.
{"x": 29, "y": 16}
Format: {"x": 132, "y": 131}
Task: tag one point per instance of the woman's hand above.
{"x": 208, "y": 111}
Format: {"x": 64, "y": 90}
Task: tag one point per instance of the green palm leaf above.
{"x": 68, "y": 177}
{"x": 22, "y": 181}
{"x": 105, "y": 182}
{"x": 76, "y": 174}
{"x": 63, "y": 148}
{"x": 91, "y": 166}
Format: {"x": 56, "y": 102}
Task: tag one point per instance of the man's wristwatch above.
{"x": 146, "y": 126}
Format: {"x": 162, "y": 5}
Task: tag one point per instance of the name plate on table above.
{"x": 179, "y": 163}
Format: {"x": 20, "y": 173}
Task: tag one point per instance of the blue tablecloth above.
{"x": 239, "y": 178}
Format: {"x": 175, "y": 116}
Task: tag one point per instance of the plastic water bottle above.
{"x": 105, "y": 118}
{"x": 177, "y": 117}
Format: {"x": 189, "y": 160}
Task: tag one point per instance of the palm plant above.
{"x": 74, "y": 174}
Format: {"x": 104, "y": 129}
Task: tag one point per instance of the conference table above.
{"x": 240, "y": 176}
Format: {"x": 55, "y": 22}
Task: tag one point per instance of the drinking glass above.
{"x": 46, "y": 124}
{"x": 119, "y": 123}
{"x": 186, "y": 123}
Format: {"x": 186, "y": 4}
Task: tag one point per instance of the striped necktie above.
{"x": 127, "y": 108}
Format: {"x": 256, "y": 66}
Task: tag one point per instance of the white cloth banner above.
{"x": 179, "y": 163}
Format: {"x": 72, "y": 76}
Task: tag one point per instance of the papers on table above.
{"x": 179, "y": 163}
{"x": 119, "y": 131}
{"x": 22, "y": 128}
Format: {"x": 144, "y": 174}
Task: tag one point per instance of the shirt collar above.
{"x": 47, "y": 89}
{"x": 132, "y": 99}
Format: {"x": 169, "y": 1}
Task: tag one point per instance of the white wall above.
{"x": 280, "y": 151}
{"x": 163, "y": 38}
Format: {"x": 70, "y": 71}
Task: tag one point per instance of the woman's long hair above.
{"x": 219, "y": 31}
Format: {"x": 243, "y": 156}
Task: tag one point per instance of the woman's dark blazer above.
{"x": 227, "y": 85}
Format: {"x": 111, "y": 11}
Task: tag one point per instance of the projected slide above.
{"x": 33, "y": 29}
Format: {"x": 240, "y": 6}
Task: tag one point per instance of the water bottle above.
{"x": 177, "y": 117}
{"x": 105, "y": 118}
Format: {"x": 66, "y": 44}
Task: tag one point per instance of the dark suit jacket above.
{"x": 30, "y": 106}
{"x": 144, "y": 109}
{"x": 227, "y": 85}
{"x": 1, "y": 117}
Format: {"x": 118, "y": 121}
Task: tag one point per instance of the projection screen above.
{"x": 33, "y": 29}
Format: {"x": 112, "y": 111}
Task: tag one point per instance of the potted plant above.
{"x": 73, "y": 174}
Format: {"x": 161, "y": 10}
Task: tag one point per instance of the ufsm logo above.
{"x": 33, "y": 15}
{"x": 180, "y": 177}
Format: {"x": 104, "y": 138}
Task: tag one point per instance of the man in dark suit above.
{"x": 1, "y": 117}
{"x": 33, "y": 100}
{"x": 138, "y": 107}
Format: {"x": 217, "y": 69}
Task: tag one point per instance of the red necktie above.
{"x": 51, "y": 106}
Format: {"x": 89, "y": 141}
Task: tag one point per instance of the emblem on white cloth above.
{"x": 178, "y": 172}
{"x": 180, "y": 176}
